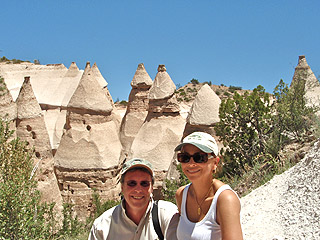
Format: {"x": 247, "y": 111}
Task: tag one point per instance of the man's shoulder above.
{"x": 167, "y": 206}
{"x": 106, "y": 216}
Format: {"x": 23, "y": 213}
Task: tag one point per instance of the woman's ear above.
{"x": 217, "y": 160}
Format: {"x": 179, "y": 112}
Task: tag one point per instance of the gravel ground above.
{"x": 288, "y": 206}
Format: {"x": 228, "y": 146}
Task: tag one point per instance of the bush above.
{"x": 22, "y": 216}
{"x": 169, "y": 191}
{"x": 234, "y": 88}
{"x": 194, "y": 81}
{"x": 124, "y": 103}
{"x": 254, "y": 130}
{"x": 226, "y": 94}
{"x": 244, "y": 124}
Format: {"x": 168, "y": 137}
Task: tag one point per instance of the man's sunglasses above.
{"x": 197, "y": 157}
{"x": 133, "y": 183}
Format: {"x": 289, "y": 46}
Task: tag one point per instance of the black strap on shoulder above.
{"x": 155, "y": 220}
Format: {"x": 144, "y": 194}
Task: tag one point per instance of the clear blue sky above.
{"x": 240, "y": 43}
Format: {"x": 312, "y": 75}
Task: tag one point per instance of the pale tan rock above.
{"x": 8, "y": 108}
{"x": 101, "y": 80}
{"x": 27, "y": 104}
{"x": 89, "y": 145}
{"x": 141, "y": 77}
{"x": 45, "y": 79}
{"x": 304, "y": 73}
{"x": 161, "y": 95}
{"x": 55, "y": 120}
{"x": 98, "y": 76}
{"x": 31, "y": 128}
{"x": 205, "y": 107}
{"x": 83, "y": 97}
{"x": 90, "y": 142}
{"x": 161, "y": 131}
{"x": 163, "y": 86}
{"x": 136, "y": 111}
{"x": 67, "y": 86}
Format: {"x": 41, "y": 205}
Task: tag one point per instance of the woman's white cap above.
{"x": 204, "y": 141}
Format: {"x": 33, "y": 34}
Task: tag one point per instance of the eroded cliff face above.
{"x": 80, "y": 139}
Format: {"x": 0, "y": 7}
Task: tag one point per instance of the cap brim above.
{"x": 200, "y": 146}
{"x": 138, "y": 165}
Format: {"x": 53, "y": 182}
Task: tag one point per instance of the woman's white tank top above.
{"x": 207, "y": 228}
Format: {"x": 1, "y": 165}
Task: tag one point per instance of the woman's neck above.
{"x": 201, "y": 188}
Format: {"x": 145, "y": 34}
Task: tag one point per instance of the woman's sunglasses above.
{"x": 133, "y": 183}
{"x": 197, "y": 157}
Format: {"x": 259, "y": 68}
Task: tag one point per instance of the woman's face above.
{"x": 195, "y": 171}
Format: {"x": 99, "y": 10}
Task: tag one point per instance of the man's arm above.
{"x": 169, "y": 218}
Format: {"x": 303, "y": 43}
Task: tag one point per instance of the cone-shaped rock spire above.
{"x": 73, "y": 70}
{"x": 8, "y": 108}
{"x": 136, "y": 111}
{"x": 98, "y": 76}
{"x": 304, "y": 74}
{"x": 141, "y": 77}
{"x": 161, "y": 96}
{"x": 205, "y": 108}
{"x": 103, "y": 83}
{"x": 83, "y": 97}
{"x": 162, "y": 130}
{"x": 31, "y": 127}
{"x": 27, "y": 104}
{"x": 163, "y": 86}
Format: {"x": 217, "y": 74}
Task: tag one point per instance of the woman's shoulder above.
{"x": 179, "y": 194}
{"x": 179, "y": 191}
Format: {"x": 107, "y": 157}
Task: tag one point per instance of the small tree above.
{"x": 194, "y": 81}
{"x": 169, "y": 192}
{"x": 245, "y": 122}
{"x": 21, "y": 214}
{"x": 292, "y": 118}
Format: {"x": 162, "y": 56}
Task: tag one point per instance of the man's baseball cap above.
{"x": 204, "y": 141}
{"x": 136, "y": 162}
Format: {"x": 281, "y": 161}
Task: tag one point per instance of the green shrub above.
{"x": 169, "y": 191}
{"x": 123, "y": 102}
{"x": 226, "y": 94}
{"x": 194, "y": 81}
{"x": 182, "y": 93}
{"x": 22, "y": 216}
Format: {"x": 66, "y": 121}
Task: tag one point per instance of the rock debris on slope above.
{"x": 287, "y": 207}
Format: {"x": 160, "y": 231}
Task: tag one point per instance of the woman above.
{"x": 209, "y": 208}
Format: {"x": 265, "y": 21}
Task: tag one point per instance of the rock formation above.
{"x": 8, "y": 108}
{"x": 88, "y": 155}
{"x": 69, "y": 113}
{"x": 204, "y": 112}
{"x": 103, "y": 83}
{"x": 44, "y": 78}
{"x": 31, "y": 128}
{"x": 55, "y": 109}
{"x": 162, "y": 129}
{"x": 137, "y": 108}
{"x": 304, "y": 73}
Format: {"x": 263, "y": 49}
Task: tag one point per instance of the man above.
{"x": 132, "y": 218}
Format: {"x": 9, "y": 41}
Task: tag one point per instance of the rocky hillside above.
{"x": 286, "y": 207}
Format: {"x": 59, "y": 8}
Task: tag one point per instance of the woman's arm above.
{"x": 228, "y": 216}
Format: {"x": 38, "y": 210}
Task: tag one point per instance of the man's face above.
{"x": 136, "y": 189}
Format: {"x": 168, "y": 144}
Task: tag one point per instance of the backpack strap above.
{"x": 155, "y": 220}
